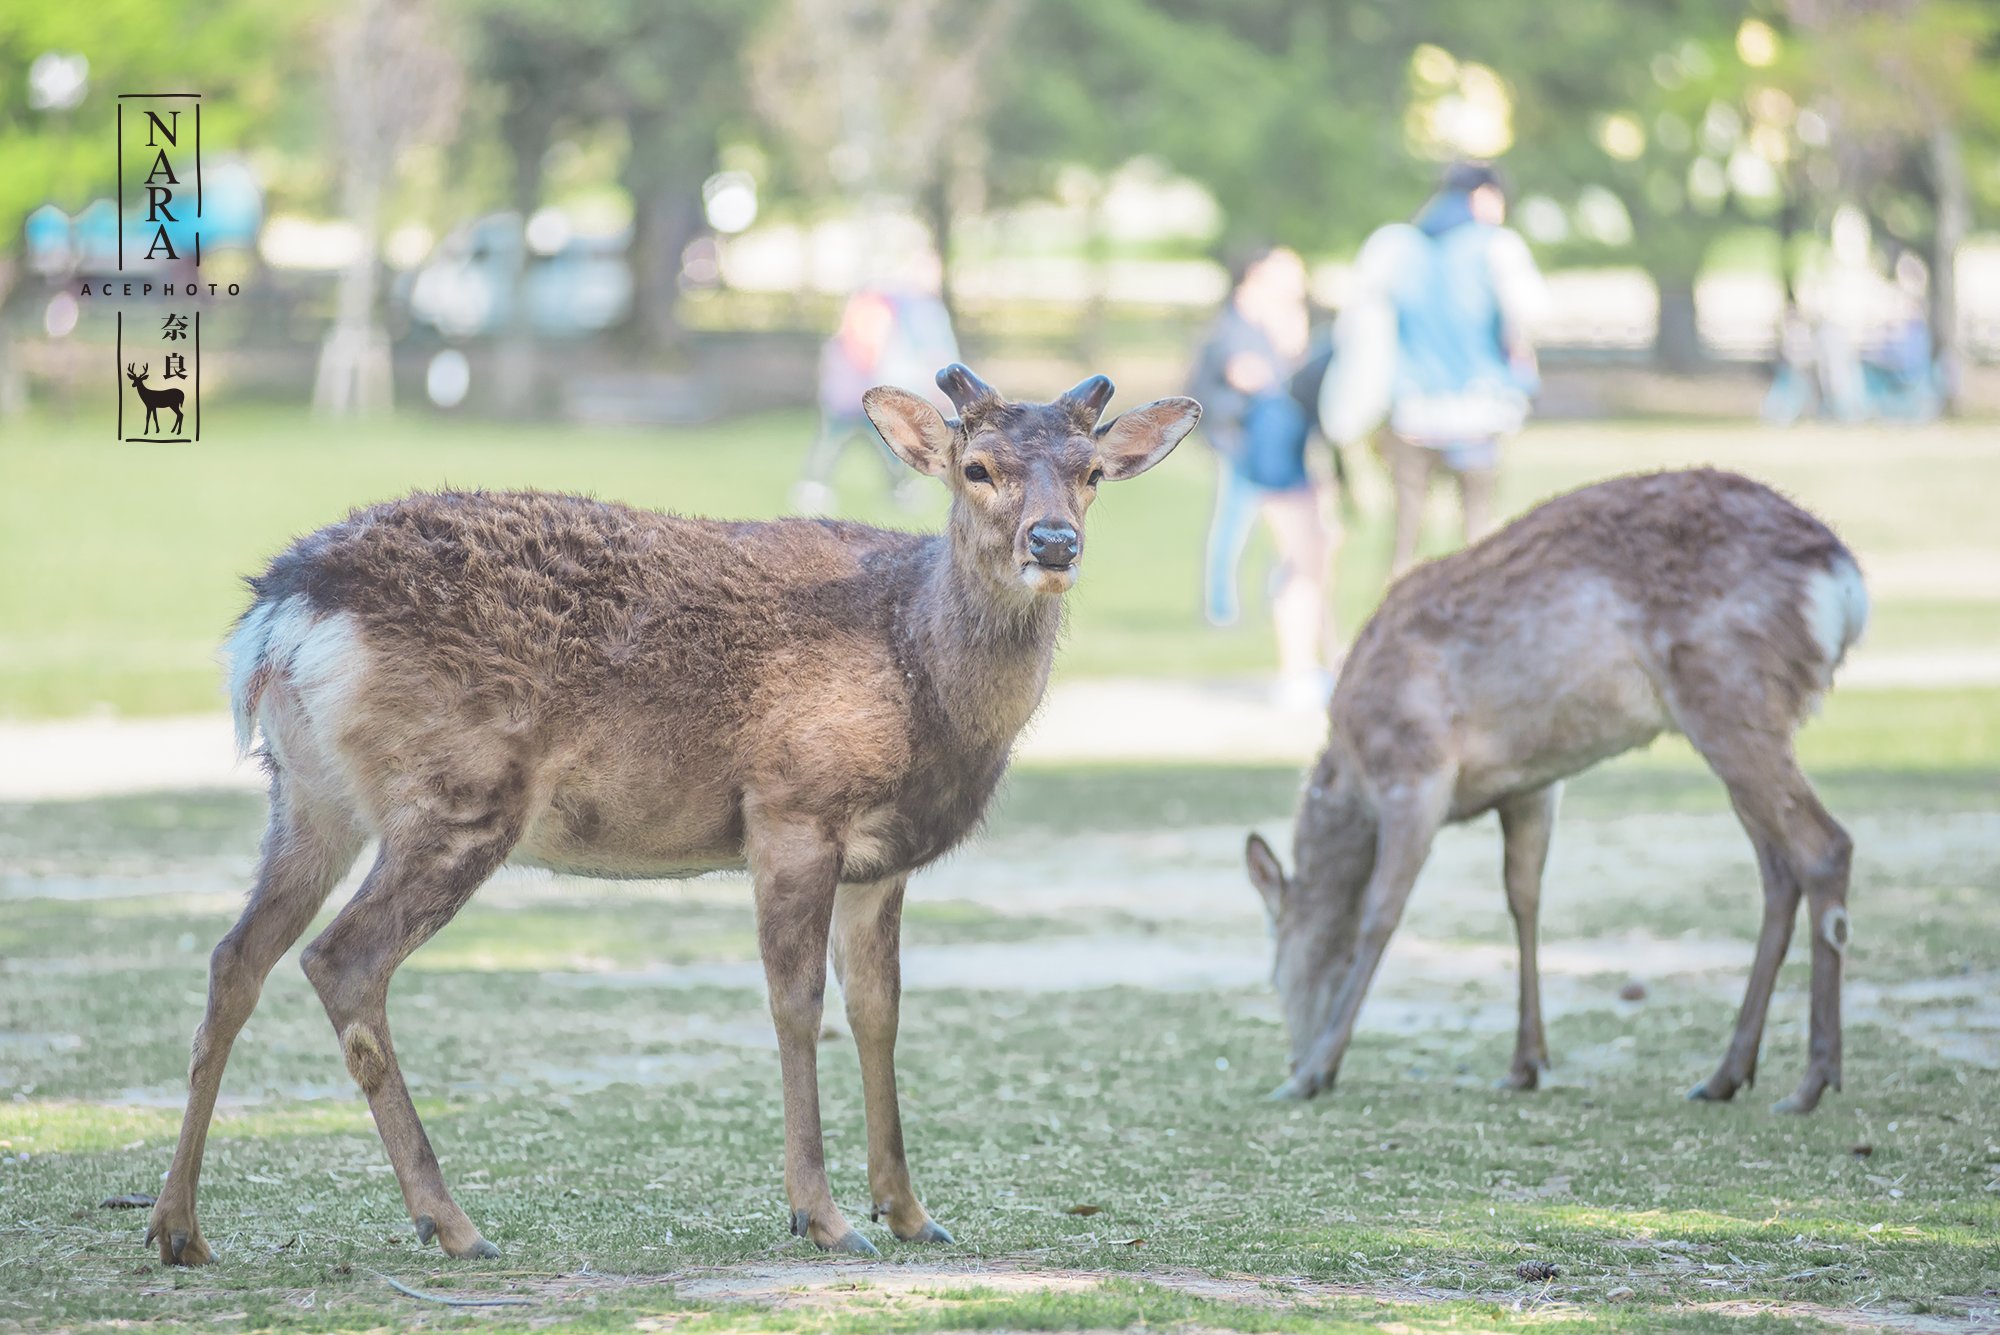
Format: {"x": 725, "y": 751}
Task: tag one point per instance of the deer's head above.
{"x": 1315, "y": 911}
{"x": 1023, "y": 474}
{"x": 138, "y": 377}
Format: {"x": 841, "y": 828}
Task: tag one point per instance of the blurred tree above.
{"x": 1287, "y": 111}
{"x": 880, "y": 101}
{"x": 248, "y": 57}
{"x": 1632, "y": 115}
{"x": 670, "y": 72}
{"x": 1902, "y": 87}
{"x": 393, "y": 82}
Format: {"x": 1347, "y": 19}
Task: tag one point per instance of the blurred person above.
{"x": 897, "y": 333}
{"x": 1243, "y": 377}
{"x": 1900, "y": 366}
{"x": 1795, "y": 378}
{"x": 1435, "y": 339}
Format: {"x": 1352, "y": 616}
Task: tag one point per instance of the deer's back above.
{"x": 633, "y": 674}
{"x": 1582, "y": 629}
{"x": 558, "y": 592}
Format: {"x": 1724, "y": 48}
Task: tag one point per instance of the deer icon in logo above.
{"x": 155, "y": 399}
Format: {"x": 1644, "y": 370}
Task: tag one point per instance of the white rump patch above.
{"x": 321, "y": 657}
{"x": 1836, "y": 611}
{"x": 244, "y": 651}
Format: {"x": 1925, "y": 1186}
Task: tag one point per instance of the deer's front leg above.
{"x": 867, "y": 934}
{"x": 795, "y": 869}
{"x": 1525, "y": 824}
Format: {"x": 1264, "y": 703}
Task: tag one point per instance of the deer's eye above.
{"x": 1096, "y": 476}
{"x": 977, "y": 473}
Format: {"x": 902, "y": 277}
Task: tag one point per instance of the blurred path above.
{"x": 1109, "y": 719}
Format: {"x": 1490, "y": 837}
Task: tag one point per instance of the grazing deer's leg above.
{"x": 796, "y": 870}
{"x": 1409, "y": 817}
{"x": 1525, "y": 825}
{"x": 1781, "y": 907}
{"x": 1822, "y": 855}
{"x": 306, "y": 852}
{"x": 867, "y": 929}
{"x": 422, "y": 877}
{"x": 1800, "y": 850}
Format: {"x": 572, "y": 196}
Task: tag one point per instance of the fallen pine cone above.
{"x": 1536, "y": 1271}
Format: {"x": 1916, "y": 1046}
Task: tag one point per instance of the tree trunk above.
{"x": 669, "y": 218}
{"x": 516, "y": 375}
{"x": 353, "y": 379}
{"x": 1953, "y": 211}
{"x": 1677, "y": 339}
{"x": 936, "y": 204}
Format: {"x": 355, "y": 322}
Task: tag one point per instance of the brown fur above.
{"x": 1582, "y": 630}
{"x": 478, "y": 677}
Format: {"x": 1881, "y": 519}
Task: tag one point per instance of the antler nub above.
{"x": 963, "y": 388}
{"x": 1087, "y": 400}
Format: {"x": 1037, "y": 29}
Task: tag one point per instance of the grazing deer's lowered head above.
{"x": 1313, "y": 910}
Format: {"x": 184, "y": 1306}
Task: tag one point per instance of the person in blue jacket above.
{"x": 1434, "y": 339}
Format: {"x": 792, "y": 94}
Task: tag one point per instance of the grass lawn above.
{"x": 119, "y": 565}
{"x": 1086, "y": 1041}
{"x": 1087, "y": 1031}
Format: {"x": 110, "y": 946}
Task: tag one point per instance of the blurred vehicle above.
{"x": 485, "y": 274}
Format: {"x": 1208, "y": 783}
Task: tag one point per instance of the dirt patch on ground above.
{"x": 828, "y": 1285}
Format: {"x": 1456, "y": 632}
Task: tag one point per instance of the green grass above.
{"x": 120, "y": 565}
{"x": 594, "y": 1112}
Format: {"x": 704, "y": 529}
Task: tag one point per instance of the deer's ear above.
{"x": 1136, "y": 440}
{"x": 917, "y": 433}
{"x": 1266, "y": 873}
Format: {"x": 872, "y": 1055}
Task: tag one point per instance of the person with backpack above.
{"x": 1243, "y": 377}
{"x": 1434, "y": 339}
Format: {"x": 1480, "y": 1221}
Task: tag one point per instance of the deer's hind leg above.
{"x": 307, "y": 849}
{"x": 1802, "y": 851}
{"x": 429, "y": 866}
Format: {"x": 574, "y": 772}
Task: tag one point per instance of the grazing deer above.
{"x": 1698, "y": 601}
{"x": 155, "y": 399}
{"x": 478, "y": 678}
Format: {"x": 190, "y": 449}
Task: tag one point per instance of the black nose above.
{"x": 1052, "y": 544}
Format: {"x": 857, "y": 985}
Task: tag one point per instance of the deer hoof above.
{"x": 1300, "y": 1086}
{"x": 932, "y": 1231}
{"x": 1711, "y": 1091}
{"x": 853, "y": 1244}
{"x": 1798, "y": 1104}
{"x": 179, "y": 1246}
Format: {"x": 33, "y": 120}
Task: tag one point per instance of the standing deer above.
{"x": 1698, "y": 601}
{"x": 155, "y": 399}
{"x": 478, "y": 678}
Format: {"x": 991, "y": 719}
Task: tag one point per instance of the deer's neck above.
{"x": 987, "y": 644}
